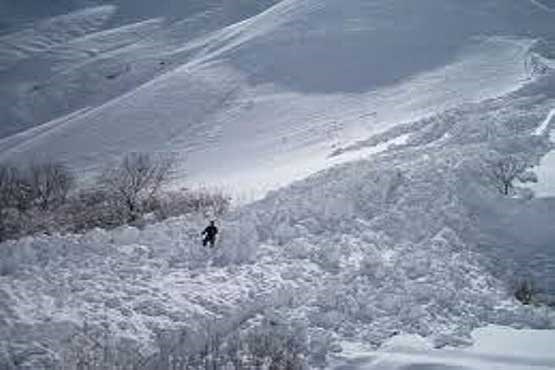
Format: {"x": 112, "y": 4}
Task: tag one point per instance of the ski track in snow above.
{"x": 48, "y": 34}
{"x": 542, "y": 5}
{"x": 261, "y": 162}
{"x": 15, "y": 142}
{"x": 542, "y": 128}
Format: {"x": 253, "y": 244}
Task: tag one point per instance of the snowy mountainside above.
{"x": 97, "y": 51}
{"x": 391, "y": 227}
{"x": 299, "y": 80}
{"x": 16, "y": 14}
{"x": 357, "y": 253}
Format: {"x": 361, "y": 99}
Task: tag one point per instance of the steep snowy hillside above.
{"x": 367, "y": 131}
{"x": 298, "y": 81}
{"x": 110, "y": 48}
{"x": 408, "y": 242}
{"x": 15, "y": 14}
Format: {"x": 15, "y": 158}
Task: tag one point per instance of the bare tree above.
{"x": 503, "y": 172}
{"x": 15, "y": 200}
{"x": 90, "y": 208}
{"x": 50, "y": 184}
{"x": 136, "y": 181}
{"x": 526, "y": 291}
{"x": 15, "y": 190}
{"x": 185, "y": 201}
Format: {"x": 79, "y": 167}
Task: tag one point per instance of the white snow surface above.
{"x": 366, "y": 157}
{"x": 493, "y": 348}
{"x": 408, "y": 241}
{"x": 300, "y": 80}
{"x": 545, "y": 187}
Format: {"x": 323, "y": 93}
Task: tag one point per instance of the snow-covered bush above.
{"x": 12, "y": 224}
{"x": 136, "y": 182}
{"x": 92, "y": 208}
{"x": 504, "y": 171}
{"x": 15, "y": 190}
{"x": 270, "y": 345}
{"x": 299, "y": 248}
{"x": 177, "y": 203}
{"x": 50, "y": 184}
{"x": 525, "y": 291}
{"x": 25, "y": 196}
{"x": 328, "y": 256}
{"x": 40, "y": 199}
{"x": 276, "y": 345}
{"x": 14, "y": 198}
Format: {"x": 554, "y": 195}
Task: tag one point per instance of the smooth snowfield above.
{"x": 493, "y": 348}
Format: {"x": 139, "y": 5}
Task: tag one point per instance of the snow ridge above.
{"x": 50, "y": 33}
{"x": 544, "y": 126}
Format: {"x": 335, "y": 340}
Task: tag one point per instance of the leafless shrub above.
{"x": 15, "y": 200}
{"x": 136, "y": 181}
{"x": 526, "y": 291}
{"x": 270, "y": 346}
{"x": 277, "y": 347}
{"x": 41, "y": 200}
{"x": 15, "y": 190}
{"x": 43, "y": 187}
{"x": 12, "y": 224}
{"x": 503, "y": 172}
{"x": 96, "y": 348}
{"x": 50, "y": 184}
{"x": 172, "y": 204}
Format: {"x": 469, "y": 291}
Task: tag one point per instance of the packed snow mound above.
{"x": 137, "y": 283}
{"x": 299, "y": 80}
{"x": 493, "y": 347}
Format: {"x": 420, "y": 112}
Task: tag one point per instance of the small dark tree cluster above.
{"x": 504, "y": 171}
{"x": 277, "y": 347}
{"x": 525, "y": 292}
{"x": 43, "y": 197}
{"x": 212, "y": 203}
{"x": 42, "y": 187}
{"x": 50, "y": 184}
{"x": 15, "y": 190}
{"x": 135, "y": 183}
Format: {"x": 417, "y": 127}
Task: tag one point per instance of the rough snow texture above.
{"x": 300, "y": 80}
{"x": 412, "y": 239}
{"x": 360, "y": 252}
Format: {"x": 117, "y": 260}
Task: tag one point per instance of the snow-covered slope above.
{"x": 494, "y": 348}
{"x": 413, "y": 240}
{"x": 399, "y": 103}
{"x": 89, "y": 55}
{"x": 17, "y": 14}
{"x": 298, "y": 81}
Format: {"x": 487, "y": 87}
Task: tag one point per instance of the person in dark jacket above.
{"x": 209, "y": 234}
